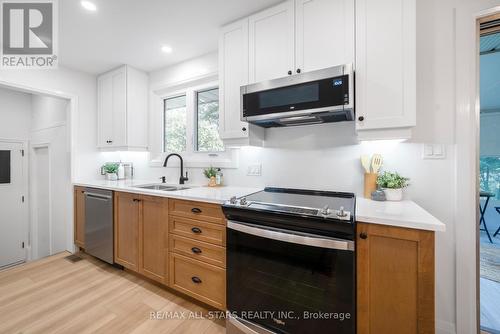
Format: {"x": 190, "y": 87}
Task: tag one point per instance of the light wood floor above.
{"x": 54, "y": 296}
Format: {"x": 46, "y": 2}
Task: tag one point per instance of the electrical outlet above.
{"x": 254, "y": 170}
{"x": 434, "y": 151}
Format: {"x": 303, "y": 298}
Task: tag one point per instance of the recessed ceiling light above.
{"x": 166, "y": 49}
{"x": 89, "y": 6}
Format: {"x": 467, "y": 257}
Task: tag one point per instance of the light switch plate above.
{"x": 434, "y": 151}
{"x": 254, "y": 170}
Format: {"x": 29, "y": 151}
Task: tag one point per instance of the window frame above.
{"x": 191, "y": 93}
{"x": 196, "y": 116}
{"x": 163, "y": 121}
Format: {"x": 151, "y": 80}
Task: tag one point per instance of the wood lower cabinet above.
{"x": 395, "y": 280}
{"x": 198, "y": 279}
{"x": 141, "y": 241}
{"x": 79, "y": 216}
{"x": 206, "y": 212}
{"x": 198, "y": 250}
{"x": 153, "y": 229}
{"x": 197, "y": 267}
{"x": 126, "y": 223}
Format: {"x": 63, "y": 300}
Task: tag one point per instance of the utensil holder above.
{"x": 370, "y": 184}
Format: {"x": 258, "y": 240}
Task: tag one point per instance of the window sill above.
{"x": 227, "y": 159}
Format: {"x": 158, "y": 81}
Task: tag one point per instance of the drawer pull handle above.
{"x": 363, "y": 235}
{"x": 196, "y": 230}
{"x": 196, "y": 280}
{"x": 196, "y": 250}
{"x": 196, "y": 210}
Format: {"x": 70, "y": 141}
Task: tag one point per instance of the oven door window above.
{"x": 301, "y": 289}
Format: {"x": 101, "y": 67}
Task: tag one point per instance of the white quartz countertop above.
{"x": 216, "y": 195}
{"x": 403, "y": 214}
{"x": 406, "y": 214}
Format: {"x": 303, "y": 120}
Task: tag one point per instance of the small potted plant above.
{"x": 392, "y": 184}
{"x": 111, "y": 170}
{"x": 211, "y": 173}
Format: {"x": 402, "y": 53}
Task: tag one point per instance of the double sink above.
{"x": 162, "y": 187}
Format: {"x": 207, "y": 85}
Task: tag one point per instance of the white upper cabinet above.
{"x": 324, "y": 33}
{"x": 233, "y": 73}
{"x": 385, "y": 68}
{"x": 271, "y": 42}
{"x": 122, "y": 104}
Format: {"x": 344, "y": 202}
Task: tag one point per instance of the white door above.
{"x": 324, "y": 33}
{"x": 13, "y": 217}
{"x": 233, "y": 73}
{"x": 271, "y": 43}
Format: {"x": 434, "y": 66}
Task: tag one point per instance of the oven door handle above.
{"x": 330, "y": 243}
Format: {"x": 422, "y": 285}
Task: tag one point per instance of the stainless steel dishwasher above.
{"x": 99, "y": 223}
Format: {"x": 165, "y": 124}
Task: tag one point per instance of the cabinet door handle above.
{"x": 136, "y": 200}
{"x": 363, "y": 235}
{"x": 298, "y": 70}
{"x": 243, "y": 129}
{"x": 196, "y": 210}
{"x": 289, "y": 72}
{"x": 196, "y": 250}
{"x": 196, "y": 230}
{"x": 361, "y": 118}
{"x": 196, "y": 280}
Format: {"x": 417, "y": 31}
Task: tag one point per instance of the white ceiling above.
{"x": 133, "y": 31}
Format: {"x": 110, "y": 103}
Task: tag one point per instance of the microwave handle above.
{"x": 330, "y": 243}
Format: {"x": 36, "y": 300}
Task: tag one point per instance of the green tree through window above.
{"x": 175, "y": 127}
{"x": 207, "y": 132}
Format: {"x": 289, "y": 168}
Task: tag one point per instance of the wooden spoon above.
{"x": 365, "y": 162}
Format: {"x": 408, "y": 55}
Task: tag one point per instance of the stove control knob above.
{"x": 243, "y": 201}
{"x": 341, "y": 212}
{"x": 325, "y": 211}
{"x": 233, "y": 200}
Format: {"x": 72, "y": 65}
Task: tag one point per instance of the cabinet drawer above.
{"x": 198, "y": 230}
{"x": 198, "y": 250}
{"x": 202, "y": 281}
{"x": 197, "y": 210}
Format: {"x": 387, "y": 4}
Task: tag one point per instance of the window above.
{"x": 207, "y": 129}
{"x": 4, "y": 166}
{"x": 175, "y": 124}
{"x": 191, "y": 121}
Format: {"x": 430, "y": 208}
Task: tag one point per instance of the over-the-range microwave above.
{"x": 315, "y": 97}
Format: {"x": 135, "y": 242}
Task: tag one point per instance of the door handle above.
{"x": 196, "y": 230}
{"x": 196, "y": 250}
{"x": 276, "y": 234}
{"x": 196, "y": 210}
{"x": 94, "y": 195}
{"x": 196, "y": 280}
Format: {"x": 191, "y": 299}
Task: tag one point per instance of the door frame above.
{"x": 466, "y": 191}
{"x": 25, "y": 188}
{"x": 73, "y": 138}
{"x": 34, "y": 202}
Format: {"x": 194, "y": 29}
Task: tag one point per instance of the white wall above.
{"x": 15, "y": 114}
{"x": 79, "y": 84}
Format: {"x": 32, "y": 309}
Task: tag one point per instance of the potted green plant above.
{"x": 392, "y": 184}
{"x": 210, "y": 173}
{"x": 111, "y": 170}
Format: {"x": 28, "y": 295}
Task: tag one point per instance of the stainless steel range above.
{"x": 291, "y": 262}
